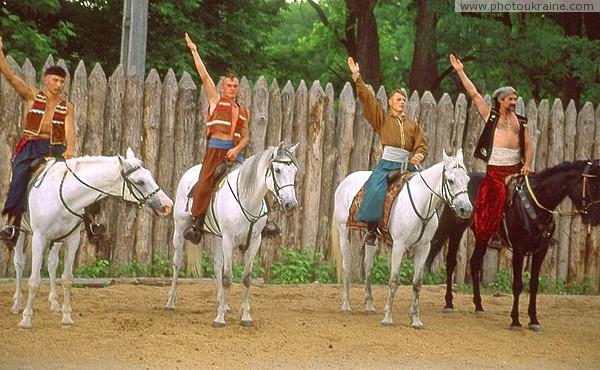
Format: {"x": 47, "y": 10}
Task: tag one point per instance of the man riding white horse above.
{"x": 48, "y": 131}
{"x": 405, "y": 147}
{"x": 227, "y": 127}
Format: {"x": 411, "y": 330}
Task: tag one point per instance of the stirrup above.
{"x": 96, "y": 229}
{"x": 370, "y": 238}
{"x": 9, "y": 234}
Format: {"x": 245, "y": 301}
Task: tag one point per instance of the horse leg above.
{"x": 368, "y": 266}
{"x": 38, "y": 245}
{"x": 19, "y": 263}
{"x": 246, "y": 320}
{"x": 346, "y": 262}
{"x": 517, "y": 287}
{"x": 227, "y": 277}
{"x": 451, "y": 261}
{"x": 218, "y": 270}
{"x": 52, "y": 267}
{"x": 476, "y": 264}
{"x": 397, "y": 253}
{"x": 420, "y": 255}
{"x": 178, "y": 243}
{"x": 72, "y": 243}
{"x": 536, "y": 265}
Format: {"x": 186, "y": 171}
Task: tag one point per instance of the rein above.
{"x": 126, "y": 182}
{"x": 446, "y": 196}
{"x": 253, "y": 219}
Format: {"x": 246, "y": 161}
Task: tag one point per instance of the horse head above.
{"x": 281, "y": 177}
{"x": 142, "y": 188}
{"x": 587, "y": 197}
{"x": 455, "y": 180}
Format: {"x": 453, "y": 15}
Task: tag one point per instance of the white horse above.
{"x": 55, "y": 212}
{"x": 237, "y": 215}
{"x": 412, "y": 223}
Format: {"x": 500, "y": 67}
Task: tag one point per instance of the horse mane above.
{"x": 252, "y": 169}
{"x": 86, "y": 160}
{"x": 560, "y": 168}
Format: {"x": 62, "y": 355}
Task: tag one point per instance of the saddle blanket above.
{"x": 390, "y": 196}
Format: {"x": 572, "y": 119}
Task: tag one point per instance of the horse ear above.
{"x": 444, "y": 155}
{"x": 293, "y": 149}
{"x": 279, "y": 150}
{"x": 459, "y": 155}
{"x": 130, "y": 154}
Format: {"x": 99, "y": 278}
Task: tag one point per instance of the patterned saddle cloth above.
{"x": 390, "y": 196}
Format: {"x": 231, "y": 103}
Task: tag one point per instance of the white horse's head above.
{"x": 142, "y": 187}
{"x": 281, "y": 178}
{"x": 454, "y": 186}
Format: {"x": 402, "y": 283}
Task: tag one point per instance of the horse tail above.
{"x": 335, "y": 249}
{"x": 194, "y": 260}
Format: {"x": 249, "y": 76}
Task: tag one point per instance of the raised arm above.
{"x": 209, "y": 86}
{"x": 482, "y": 107}
{"x": 27, "y": 92}
{"x": 69, "y": 132}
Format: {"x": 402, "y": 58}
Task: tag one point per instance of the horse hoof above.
{"x": 516, "y": 327}
{"x": 25, "y": 324}
{"x": 482, "y": 312}
{"x": 247, "y": 323}
{"x": 448, "y": 310}
{"x": 418, "y": 327}
{"x": 535, "y": 327}
{"x": 170, "y": 309}
{"x": 370, "y": 311}
{"x": 386, "y": 324}
{"x": 217, "y": 324}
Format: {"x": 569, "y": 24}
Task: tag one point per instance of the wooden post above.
{"x": 299, "y": 135}
{"x": 133, "y": 38}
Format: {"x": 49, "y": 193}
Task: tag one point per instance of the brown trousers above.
{"x": 206, "y": 180}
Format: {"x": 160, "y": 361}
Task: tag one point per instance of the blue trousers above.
{"x": 371, "y": 208}
{"x": 16, "y": 200}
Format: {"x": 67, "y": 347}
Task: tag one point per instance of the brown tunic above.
{"x": 400, "y": 132}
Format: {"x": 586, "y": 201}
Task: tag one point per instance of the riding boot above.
{"x": 270, "y": 230}
{"x": 10, "y": 232}
{"x": 95, "y": 231}
{"x": 495, "y": 242}
{"x": 371, "y": 235}
{"x": 194, "y": 232}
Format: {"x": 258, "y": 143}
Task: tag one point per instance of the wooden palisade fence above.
{"x": 163, "y": 121}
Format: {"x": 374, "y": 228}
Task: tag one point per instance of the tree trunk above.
{"x": 572, "y": 23}
{"x": 423, "y": 74}
{"x": 362, "y": 39}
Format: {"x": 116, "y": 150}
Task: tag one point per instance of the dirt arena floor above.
{"x": 124, "y": 326}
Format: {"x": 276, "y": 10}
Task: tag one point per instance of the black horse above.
{"x": 529, "y": 220}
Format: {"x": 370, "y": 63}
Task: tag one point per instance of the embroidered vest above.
{"x": 33, "y": 121}
{"x": 483, "y": 150}
{"x": 220, "y": 121}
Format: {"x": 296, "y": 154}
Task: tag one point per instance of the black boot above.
{"x": 270, "y": 230}
{"x": 94, "y": 230}
{"x": 10, "y": 232}
{"x": 371, "y": 235}
{"x": 194, "y": 232}
{"x": 495, "y": 242}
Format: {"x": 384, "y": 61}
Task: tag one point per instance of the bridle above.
{"x": 135, "y": 192}
{"x": 276, "y": 186}
{"x": 446, "y": 196}
{"x": 585, "y": 204}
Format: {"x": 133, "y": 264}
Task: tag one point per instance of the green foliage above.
{"x": 208, "y": 268}
{"x": 207, "y": 265}
{"x": 301, "y": 268}
{"x": 99, "y": 268}
{"x": 96, "y": 268}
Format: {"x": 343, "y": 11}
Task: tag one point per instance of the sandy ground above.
{"x": 125, "y": 326}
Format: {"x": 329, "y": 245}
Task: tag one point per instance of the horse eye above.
{"x": 451, "y": 181}
{"x": 277, "y": 171}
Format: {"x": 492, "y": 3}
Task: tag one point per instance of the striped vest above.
{"x": 220, "y": 121}
{"x": 33, "y": 121}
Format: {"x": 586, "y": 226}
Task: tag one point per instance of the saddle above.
{"x": 396, "y": 180}
{"x": 220, "y": 174}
